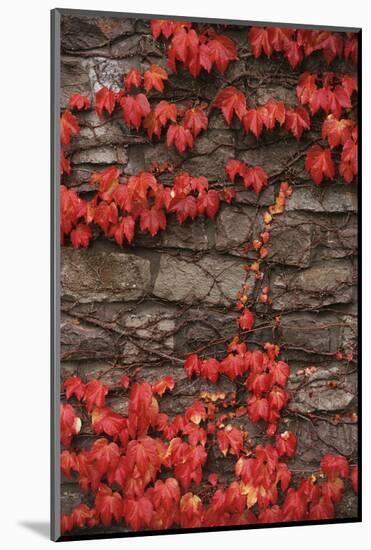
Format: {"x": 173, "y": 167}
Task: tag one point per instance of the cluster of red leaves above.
{"x": 297, "y": 44}
{"x": 117, "y": 208}
{"x": 254, "y": 177}
{"x": 146, "y": 469}
{"x": 332, "y": 98}
{"x": 195, "y": 51}
{"x": 180, "y": 133}
{"x": 232, "y": 101}
{"x": 142, "y": 469}
{"x": 260, "y": 373}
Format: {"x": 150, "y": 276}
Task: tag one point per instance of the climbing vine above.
{"x": 146, "y": 470}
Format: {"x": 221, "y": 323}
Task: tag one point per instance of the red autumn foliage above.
{"x": 147, "y": 470}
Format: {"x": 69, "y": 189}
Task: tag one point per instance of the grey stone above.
{"x": 290, "y": 241}
{"x": 96, "y": 133}
{"x": 334, "y": 198}
{"x": 96, "y": 276}
{"x": 74, "y": 79}
{"x": 306, "y": 331}
{"x": 315, "y": 440}
{"x": 100, "y": 155}
{"x": 80, "y": 341}
{"x": 85, "y": 33}
{"x": 209, "y": 280}
{"x": 212, "y": 164}
{"x": 321, "y": 284}
{"x": 192, "y": 235}
{"x": 234, "y": 227}
{"x": 319, "y": 397}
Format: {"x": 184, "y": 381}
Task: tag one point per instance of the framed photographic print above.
{"x": 204, "y": 281}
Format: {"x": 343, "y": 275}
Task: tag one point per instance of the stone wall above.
{"x": 149, "y": 304}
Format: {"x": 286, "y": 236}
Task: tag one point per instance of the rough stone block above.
{"x": 210, "y": 280}
{"x": 334, "y": 198}
{"x": 234, "y": 228}
{"x": 96, "y": 276}
{"x": 320, "y": 285}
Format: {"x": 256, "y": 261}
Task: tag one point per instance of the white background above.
{"x": 24, "y": 271}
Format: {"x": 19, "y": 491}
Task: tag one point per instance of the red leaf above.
{"x": 339, "y": 100}
{"x": 233, "y": 365}
{"x": 105, "y": 420}
{"x": 333, "y": 489}
{"x": 166, "y": 383}
{"x": 334, "y": 466}
{"x": 234, "y": 168}
{"x": 293, "y": 53}
{"x": 81, "y": 236}
{"x": 306, "y": 87}
{"x": 138, "y": 513}
{"x": 253, "y": 121}
{"x": 141, "y": 184}
{"x": 272, "y": 112}
{"x": 152, "y": 124}
{"x": 165, "y": 111}
{"x": 79, "y": 102}
{"x": 69, "y": 126}
{"x": 351, "y": 48}
{"x": 123, "y": 229}
{"x": 259, "y": 41}
{"x": 323, "y": 509}
{"x": 180, "y": 136}
{"x": 74, "y": 386}
{"x": 133, "y": 78}
{"x": 68, "y": 462}
{"x": 195, "y": 120}
{"x": 166, "y": 494}
{"x": 184, "y": 207}
{"x": 349, "y": 84}
{"x": 108, "y": 181}
{"x": 349, "y": 161}
{"x": 105, "y": 214}
{"x": 247, "y": 320}
{"x": 65, "y": 165}
{"x": 286, "y": 444}
{"x": 222, "y": 51}
{"x": 297, "y": 120}
{"x": 134, "y": 109}
{"x": 319, "y": 163}
{"x": 190, "y": 511}
{"x": 154, "y": 78}
{"x": 162, "y": 26}
{"x": 196, "y": 413}
{"x": 230, "y": 439}
{"x": 230, "y": 101}
{"x": 105, "y": 99}
{"x": 192, "y": 365}
{"x": 257, "y": 408}
{"x": 210, "y": 369}
{"x": 280, "y": 372}
{"x": 279, "y": 37}
{"x": 277, "y": 398}
{"x": 208, "y": 203}
{"x": 70, "y": 424}
{"x": 95, "y": 393}
{"x": 72, "y": 208}
{"x": 108, "y": 504}
{"x": 336, "y": 131}
{"x": 153, "y": 220}
{"x": 256, "y": 178}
